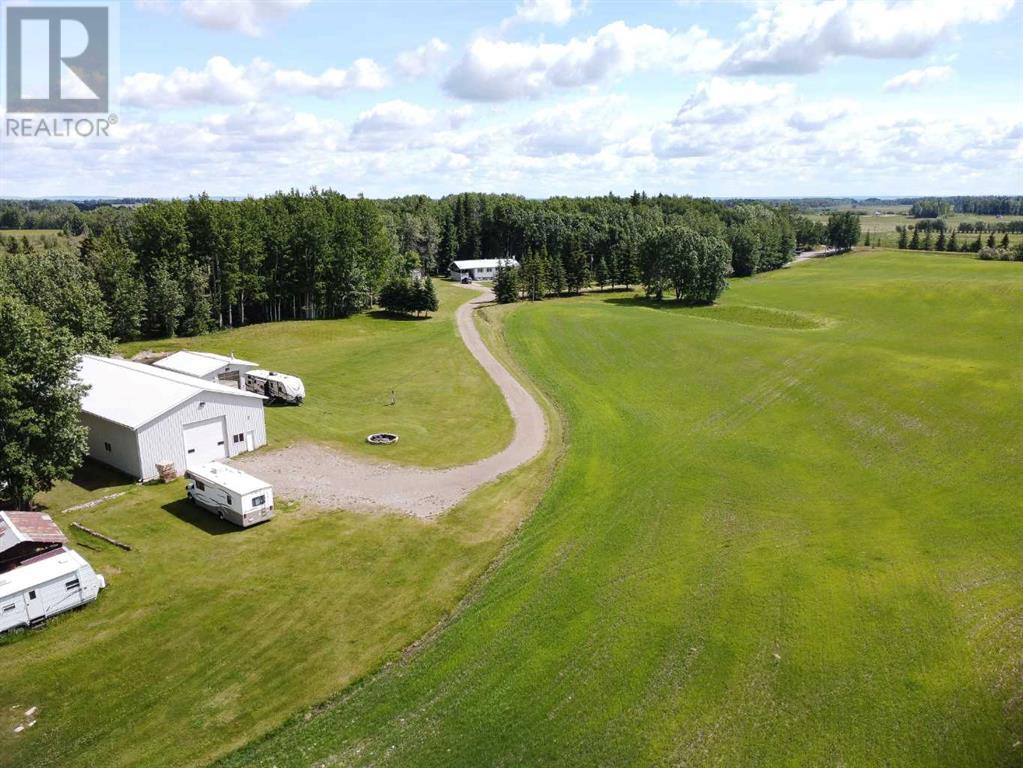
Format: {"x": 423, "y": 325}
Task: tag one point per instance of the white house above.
{"x": 140, "y": 416}
{"x": 229, "y": 371}
{"x": 479, "y": 269}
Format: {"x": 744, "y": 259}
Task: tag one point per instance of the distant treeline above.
{"x": 935, "y": 207}
{"x": 940, "y": 225}
{"x": 190, "y": 266}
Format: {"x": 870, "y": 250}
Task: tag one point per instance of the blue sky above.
{"x": 546, "y": 97}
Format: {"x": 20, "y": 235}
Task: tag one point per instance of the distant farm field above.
{"x": 883, "y": 234}
{"x": 769, "y": 543}
{"x": 31, "y": 234}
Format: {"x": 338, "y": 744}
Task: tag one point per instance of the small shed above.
{"x": 479, "y": 269}
{"x": 140, "y": 416}
{"x": 229, "y": 371}
{"x": 27, "y": 534}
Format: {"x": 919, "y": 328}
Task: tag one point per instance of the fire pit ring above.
{"x": 382, "y": 438}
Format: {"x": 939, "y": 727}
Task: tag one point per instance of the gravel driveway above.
{"x": 330, "y": 478}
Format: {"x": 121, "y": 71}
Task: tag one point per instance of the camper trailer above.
{"x": 276, "y": 386}
{"x": 44, "y": 586}
{"x": 231, "y": 494}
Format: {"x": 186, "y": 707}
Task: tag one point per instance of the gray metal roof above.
{"x": 133, "y": 394}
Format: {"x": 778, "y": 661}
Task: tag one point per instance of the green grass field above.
{"x": 33, "y": 235}
{"x": 208, "y": 635}
{"x": 786, "y": 531}
{"x": 350, "y": 370}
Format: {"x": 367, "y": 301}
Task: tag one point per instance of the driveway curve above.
{"x": 330, "y": 478}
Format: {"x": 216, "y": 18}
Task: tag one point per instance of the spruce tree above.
{"x": 600, "y": 272}
{"x": 940, "y": 244}
{"x": 952, "y": 245}
{"x": 506, "y": 286}
{"x": 165, "y": 304}
{"x": 914, "y": 243}
{"x": 428, "y": 296}
{"x": 903, "y": 242}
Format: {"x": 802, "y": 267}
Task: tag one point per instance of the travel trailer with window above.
{"x": 231, "y": 494}
{"x": 46, "y": 585}
{"x": 276, "y": 386}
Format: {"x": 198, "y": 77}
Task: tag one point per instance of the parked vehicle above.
{"x": 230, "y": 494}
{"x": 276, "y": 386}
{"x": 44, "y": 586}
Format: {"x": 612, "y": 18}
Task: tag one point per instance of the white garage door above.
{"x": 205, "y": 441}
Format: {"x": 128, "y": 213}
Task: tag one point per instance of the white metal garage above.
{"x": 229, "y": 371}
{"x": 140, "y": 416}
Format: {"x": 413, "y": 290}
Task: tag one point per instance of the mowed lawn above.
{"x": 766, "y": 545}
{"x": 208, "y": 635}
{"x": 350, "y": 369}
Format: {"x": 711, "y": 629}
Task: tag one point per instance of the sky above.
{"x": 550, "y": 97}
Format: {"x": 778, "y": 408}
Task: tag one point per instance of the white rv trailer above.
{"x": 45, "y": 586}
{"x": 276, "y": 386}
{"x": 231, "y": 494}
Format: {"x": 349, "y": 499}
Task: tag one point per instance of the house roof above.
{"x": 199, "y": 363}
{"x": 52, "y": 565}
{"x": 16, "y": 527}
{"x": 231, "y": 478}
{"x": 484, "y": 263}
{"x": 133, "y": 394}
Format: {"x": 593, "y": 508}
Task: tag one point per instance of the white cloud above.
{"x": 719, "y": 101}
{"x": 221, "y": 82}
{"x": 817, "y": 116}
{"x": 260, "y": 147}
{"x": 423, "y": 60}
{"x": 364, "y": 74}
{"x": 250, "y": 17}
{"x": 391, "y": 116}
{"x": 744, "y": 118}
{"x": 584, "y": 127}
{"x": 557, "y": 12}
{"x": 496, "y": 70}
{"x": 398, "y": 124}
{"x": 800, "y": 36}
{"x": 915, "y": 79}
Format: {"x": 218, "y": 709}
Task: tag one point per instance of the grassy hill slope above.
{"x": 787, "y": 531}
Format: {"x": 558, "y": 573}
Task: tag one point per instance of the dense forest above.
{"x": 149, "y": 269}
{"x": 185, "y": 267}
